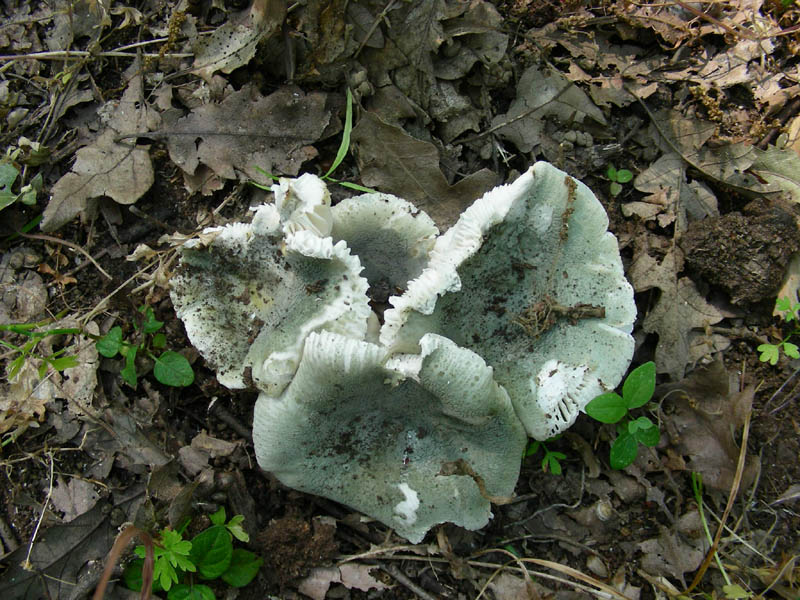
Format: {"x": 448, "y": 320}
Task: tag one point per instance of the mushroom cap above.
{"x": 250, "y": 297}
{"x": 350, "y": 429}
{"x": 530, "y": 279}
{"x": 390, "y": 236}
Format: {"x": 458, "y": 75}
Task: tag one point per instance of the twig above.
{"x": 27, "y": 564}
{"x": 401, "y": 577}
{"x": 113, "y": 557}
{"x": 80, "y": 54}
{"x": 74, "y": 246}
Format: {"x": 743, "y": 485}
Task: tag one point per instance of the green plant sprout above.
{"x": 169, "y": 367}
{"x": 637, "y": 391}
{"x": 58, "y": 360}
{"x": 210, "y": 555}
{"x": 8, "y": 176}
{"x": 617, "y": 177}
{"x": 550, "y": 461}
{"x": 731, "y": 590}
{"x": 344, "y": 147}
{"x": 771, "y": 352}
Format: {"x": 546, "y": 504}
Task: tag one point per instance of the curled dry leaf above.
{"x": 350, "y": 575}
{"x": 107, "y": 167}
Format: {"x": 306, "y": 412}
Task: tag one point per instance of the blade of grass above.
{"x": 345, "y": 145}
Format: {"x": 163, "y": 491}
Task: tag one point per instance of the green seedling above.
{"x": 771, "y": 352}
{"x": 208, "y": 556}
{"x": 551, "y": 459}
{"x": 33, "y": 335}
{"x": 169, "y": 367}
{"x": 637, "y": 391}
{"x": 8, "y": 177}
{"x": 344, "y": 147}
{"x": 617, "y": 177}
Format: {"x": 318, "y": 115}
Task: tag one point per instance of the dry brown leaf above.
{"x": 728, "y": 164}
{"x": 394, "y": 162}
{"x": 233, "y": 44}
{"x": 702, "y": 413}
{"x": 247, "y": 131}
{"x": 22, "y": 400}
{"x": 670, "y": 197}
{"x": 507, "y": 586}
{"x": 540, "y": 94}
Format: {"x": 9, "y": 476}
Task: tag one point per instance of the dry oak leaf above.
{"x": 679, "y": 310}
{"x": 246, "y": 131}
{"x": 394, "y": 162}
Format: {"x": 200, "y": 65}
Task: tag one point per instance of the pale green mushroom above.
{"x": 251, "y": 296}
{"x": 412, "y": 450}
{"x": 511, "y": 322}
{"x": 530, "y": 279}
{"x": 390, "y": 236}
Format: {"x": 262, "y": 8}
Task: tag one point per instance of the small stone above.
{"x": 597, "y": 566}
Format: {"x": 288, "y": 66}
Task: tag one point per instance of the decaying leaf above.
{"x": 679, "y": 310}
{"x": 727, "y": 164}
{"x": 195, "y": 457}
{"x": 394, "y": 162}
{"x": 543, "y": 93}
{"x": 702, "y": 413}
{"x": 60, "y": 554}
{"x": 350, "y": 575}
{"x": 106, "y": 167}
{"x": 672, "y": 554}
{"x": 76, "y": 19}
{"x": 22, "y": 401}
{"x": 780, "y": 169}
{"x": 233, "y": 44}
{"x": 247, "y": 131}
{"x": 73, "y": 498}
{"x": 671, "y": 198}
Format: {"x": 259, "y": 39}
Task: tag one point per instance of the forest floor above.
{"x": 129, "y": 127}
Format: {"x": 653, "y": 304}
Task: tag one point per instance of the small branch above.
{"x": 74, "y": 246}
